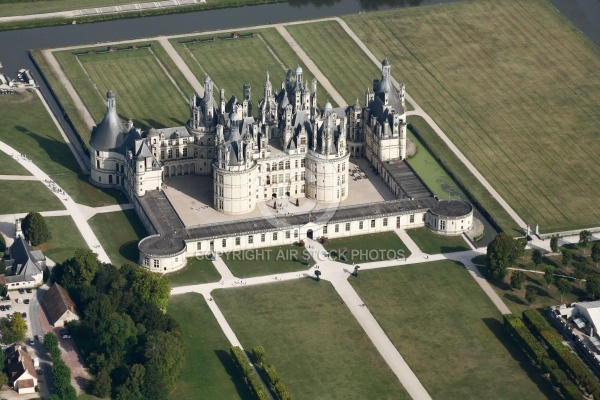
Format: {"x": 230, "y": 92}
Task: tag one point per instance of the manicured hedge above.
{"x": 269, "y": 375}
{"x": 519, "y": 332}
{"x": 253, "y": 382}
{"x": 563, "y": 355}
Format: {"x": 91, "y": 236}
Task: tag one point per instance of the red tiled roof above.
{"x": 26, "y": 383}
{"x": 57, "y": 302}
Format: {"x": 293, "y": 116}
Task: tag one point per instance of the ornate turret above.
{"x": 106, "y": 135}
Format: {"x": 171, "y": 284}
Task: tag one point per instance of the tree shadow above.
{"x": 234, "y": 374}
{"x": 453, "y": 249}
{"x": 519, "y": 356}
{"x": 514, "y": 298}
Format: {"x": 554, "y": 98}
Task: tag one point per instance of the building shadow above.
{"x": 520, "y": 357}
{"x": 57, "y": 151}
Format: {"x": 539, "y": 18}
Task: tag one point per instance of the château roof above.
{"x": 105, "y": 136}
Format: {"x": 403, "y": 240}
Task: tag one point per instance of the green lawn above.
{"x": 209, "y": 371}
{"x": 144, "y": 91}
{"x": 267, "y": 261}
{"x": 9, "y": 166}
{"x": 432, "y": 173}
{"x": 26, "y": 196}
{"x": 449, "y": 333}
{"x": 195, "y": 272}
{"x": 367, "y": 248}
{"x": 34, "y": 134}
{"x": 346, "y": 66}
{"x": 119, "y": 233}
{"x": 65, "y": 239}
{"x": 232, "y": 63}
{"x": 461, "y": 173}
{"x": 318, "y": 348}
{"x": 431, "y": 243}
{"x": 515, "y": 86}
{"x": 82, "y": 129}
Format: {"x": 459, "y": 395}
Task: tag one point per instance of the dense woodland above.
{"x": 133, "y": 349}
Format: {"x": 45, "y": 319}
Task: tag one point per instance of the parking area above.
{"x": 25, "y": 302}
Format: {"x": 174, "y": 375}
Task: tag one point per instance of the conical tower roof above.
{"x": 105, "y": 135}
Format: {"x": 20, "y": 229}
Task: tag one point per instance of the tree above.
{"x": 564, "y": 287}
{"x": 102, "y": 384}
{"x": 132, "y": 388}
{"x": 584, "y": 238}
{"x": 152, "y": 287}
{"x": 536, "y": 256}
{"x": 50, "y": 340}
{"x": 78, "y": 270}
{"x": 520, "y": 245}
{"x": 3, "y": 379}
{"x": 567, "y": 257}
{"x": 500, "y": 255}
{"x": 18, "y": 326}
{"x": 549, "y": 274}
{"x": 164, "y": 354}
{"x": 530, "y": 294}
{"x": 592, "y": 285}
{"x": 596, "y": 253}
{"x": 554, "y": 243}
{"x": 35, "y": 229}
{"x": 516, "y": 279}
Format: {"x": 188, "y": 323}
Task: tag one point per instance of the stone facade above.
{"x": 291, "y": 149}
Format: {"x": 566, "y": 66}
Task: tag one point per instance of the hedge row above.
{"x": 60, "y": 371}
{"x": 519, "y": 332}
{"x": 268, "y": 373}
{"x": 580, "y": 373}
{"x": 254, "y": 383}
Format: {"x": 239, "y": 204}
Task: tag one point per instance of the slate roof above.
{"x": 24, "y": 260}
{"x": 105, "y": 136}
{"x": 452, "y": 208}
{"x": 341, "y": 214}
{"x": 19, "y": 362}
{"x": 56, "y": 302}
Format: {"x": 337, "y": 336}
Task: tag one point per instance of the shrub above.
{"x": 258, "y": 354}
{"x": 561, "y": 353}
{"x": 253, "y": 382}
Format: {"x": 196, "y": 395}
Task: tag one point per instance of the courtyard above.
{"x": 192, "y": 197}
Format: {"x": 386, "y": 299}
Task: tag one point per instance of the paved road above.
{"x": 183, "y": 67}
{"x": 60, "y": 74}
{"x": 74, "y": 209}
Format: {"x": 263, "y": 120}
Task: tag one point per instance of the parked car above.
{"x": 2, "y": 308}
{"x": 64, "y": 331}
{"x": 40, "y": 371}
{"x": 31, "y": 342}
{"x": 66, "y": 336}
{"x": 26, "y": 301}
{"x": 37, "y": 337}
{"x": 8, "y": 307}
{"x": 24, "y": 314}
{"x": 28, "y": 290}
{"x": 21, "y": 291}
{"x": 9, "y": 315}
{"x": 19, "y": 300}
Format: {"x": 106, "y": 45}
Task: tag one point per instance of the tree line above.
{"x": 133, "y": 349}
